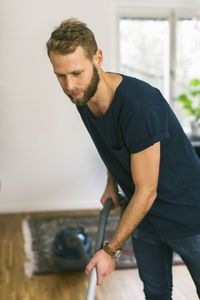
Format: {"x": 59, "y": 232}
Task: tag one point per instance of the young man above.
{"x": 146, "y": 153}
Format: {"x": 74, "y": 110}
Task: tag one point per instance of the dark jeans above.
{"x": 154, "y": 259}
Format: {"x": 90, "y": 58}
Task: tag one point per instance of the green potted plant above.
{"x": 191, "y": 103}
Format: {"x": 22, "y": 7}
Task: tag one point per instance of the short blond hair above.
{"x": 69, "y": 35}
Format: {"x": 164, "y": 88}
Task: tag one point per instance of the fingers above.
{"x": 90, "y": 266}
{"x": 104, "y": 265}
{"x": 103, "y": 200}
{"x": 110, "y": 192}
{"x": 114, "y": 198}
{"x": 115, "y": 201}
{"x": 99, "y": 278}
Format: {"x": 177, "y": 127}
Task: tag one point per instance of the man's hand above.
{"x": 110, "y": 192}
{"x": 104, "y": 264}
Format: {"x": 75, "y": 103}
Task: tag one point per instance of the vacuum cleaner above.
{"x": 72, "y": 249}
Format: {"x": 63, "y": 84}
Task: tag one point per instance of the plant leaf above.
{"x": 194, "y": 82}
{"x": 182, "y": 97}
{"x": 197, "y": 110}
{"x": 195, "y": 93}
{"x": 189, "y": 111}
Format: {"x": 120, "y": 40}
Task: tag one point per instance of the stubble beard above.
{"x": 88, "y": 93}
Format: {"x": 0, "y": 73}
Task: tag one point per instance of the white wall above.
{"x": 47, "y": 159}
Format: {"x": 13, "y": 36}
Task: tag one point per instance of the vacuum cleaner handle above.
{"x": 92, "y": 285}
{"x": 103, "y": 216}
{"x": 100, "y": 239}
{"x": 98, "y": 245}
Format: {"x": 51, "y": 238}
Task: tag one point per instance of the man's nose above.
{"x": 69, "y": 84}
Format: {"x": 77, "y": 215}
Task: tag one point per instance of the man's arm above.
{"x": 145, "y": 171}
{"x": 110, "y": 190}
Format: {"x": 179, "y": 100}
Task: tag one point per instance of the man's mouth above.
{"x": 76, "y": 94}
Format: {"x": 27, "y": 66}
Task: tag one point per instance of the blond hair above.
{"x": 69, "y": 35}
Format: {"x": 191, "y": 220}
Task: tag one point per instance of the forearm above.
{"x": 111, "y": 190}
{"x": 111, "y": 184}
{"x": 110, "y": 179}
{"x": 138, "y": 207}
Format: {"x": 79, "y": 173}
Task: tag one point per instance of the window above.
{"x": 164, "y": 51}
{"x": 143, "y": 49}
{"x": 187, "y": 53}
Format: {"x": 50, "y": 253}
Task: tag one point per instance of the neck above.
{"x": 104, "y": 95}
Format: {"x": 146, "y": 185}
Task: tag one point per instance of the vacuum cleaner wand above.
{"x": 98, "y": 245}
{"x": 100, "y": 239}
{"x": 103, "y": 216}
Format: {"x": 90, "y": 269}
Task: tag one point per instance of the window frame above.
{"x": 172, "y": 14}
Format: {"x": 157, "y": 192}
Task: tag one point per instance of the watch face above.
{"x": 118, "y": 253}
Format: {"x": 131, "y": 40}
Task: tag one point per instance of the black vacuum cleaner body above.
{"x": 72, "y": 249}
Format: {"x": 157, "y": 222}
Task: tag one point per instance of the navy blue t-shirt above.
{"x": 137, "y": 118}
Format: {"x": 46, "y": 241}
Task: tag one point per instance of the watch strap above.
{"x": 113, "y": 253}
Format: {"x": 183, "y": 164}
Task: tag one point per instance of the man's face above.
{"x": 76, "y": 74}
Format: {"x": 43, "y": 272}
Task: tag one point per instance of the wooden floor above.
{"x": 120, "y": 285}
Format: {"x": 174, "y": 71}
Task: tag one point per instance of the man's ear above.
{"x": 98, "y": 58}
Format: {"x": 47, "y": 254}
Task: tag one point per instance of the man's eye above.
{"x": 76, "y": 73}
{"x": 61, "y": 75}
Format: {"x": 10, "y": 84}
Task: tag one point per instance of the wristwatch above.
{"x": 115, "y": 254}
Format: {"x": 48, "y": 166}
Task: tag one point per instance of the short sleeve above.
{"x": 146, "y": 126}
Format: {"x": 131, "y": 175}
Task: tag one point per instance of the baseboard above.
{"x": 7, "y": 208}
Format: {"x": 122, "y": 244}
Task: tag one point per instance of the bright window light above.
{"x": 187, "y": 53}
{"x": 144, "y": 45}
{"x": 144, "y": 48}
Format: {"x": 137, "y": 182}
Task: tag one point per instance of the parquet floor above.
{"x": 120, "y": 285}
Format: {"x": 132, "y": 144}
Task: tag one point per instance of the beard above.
{"x": 88, "y": 93}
